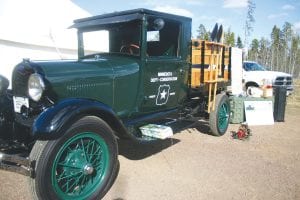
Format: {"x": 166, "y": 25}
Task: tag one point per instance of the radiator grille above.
{"x": 283, "y": 81}
{"x": 20, "y": 79}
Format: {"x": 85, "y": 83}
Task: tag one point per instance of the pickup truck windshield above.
{"x": 253, "y": 67}
{"x": 123, "y": 38}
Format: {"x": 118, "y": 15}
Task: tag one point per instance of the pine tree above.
{"x": 253, "y": 54}
{"x": 249, "y": 20}
{"x": 201, "y": 32}
{"x": 275, "y": 46}
{"x": 229, "y": 38}
{"x": 286, "y": 44}
{"x": 295, "y": 53}
{"x": 239, "y": 43}
{"x": 264, "y": 52}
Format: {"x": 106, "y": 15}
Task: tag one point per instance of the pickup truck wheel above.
{"x": 219, "y": 118}
{"x": 82, "y": 164}
{"x": 250, "y": 90}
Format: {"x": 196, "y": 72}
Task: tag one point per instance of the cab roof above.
{"x": 125, "y": 16}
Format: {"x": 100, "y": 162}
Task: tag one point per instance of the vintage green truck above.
{"x": 60, "y": 122}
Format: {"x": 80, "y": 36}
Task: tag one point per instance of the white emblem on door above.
{"x": 163, "y": 94}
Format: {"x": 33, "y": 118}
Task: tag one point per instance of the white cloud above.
{"x": 276, "y": 16}
{"x": 174, "y": 10}
{"x": 220, "y": 20}
{"x": 288, "y": 7}
{"x": 297, "y": 27}
{"x": 235, "y": 3}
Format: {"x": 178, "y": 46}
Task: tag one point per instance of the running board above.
{"x": 156, "y": 131}
{"x": 17, "y": 164}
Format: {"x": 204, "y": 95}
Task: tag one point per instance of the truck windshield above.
{"x": 249, "y": 66}
{"x": 122, "y": 38}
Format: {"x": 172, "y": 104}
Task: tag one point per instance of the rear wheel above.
{"x": 219, "y": 118}
{"x": 82, "y": 164}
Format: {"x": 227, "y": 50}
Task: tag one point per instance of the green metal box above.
{"x": 237, "y": 112}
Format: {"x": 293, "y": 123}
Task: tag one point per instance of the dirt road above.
{"x": 194, "y": 165}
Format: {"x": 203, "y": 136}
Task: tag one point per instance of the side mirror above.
{"x": 4, "y": 83}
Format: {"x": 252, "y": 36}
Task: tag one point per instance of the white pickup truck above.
{"x": 256, "y": 75}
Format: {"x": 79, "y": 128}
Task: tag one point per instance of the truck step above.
{"x": 156, "y": 131}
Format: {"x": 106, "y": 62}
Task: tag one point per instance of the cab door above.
{"x": 164, "y": 85}
{"x": 165, "y": 71}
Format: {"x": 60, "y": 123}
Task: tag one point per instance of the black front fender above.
{"x": 55, "y": 120}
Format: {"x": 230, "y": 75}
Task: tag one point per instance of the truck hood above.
{"x": 102, "y": 66}
{"x": 87, "y": 78}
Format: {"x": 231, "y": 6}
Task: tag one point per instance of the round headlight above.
{"x": 36, "y": 87}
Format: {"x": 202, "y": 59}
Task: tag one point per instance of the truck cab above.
{"x": 155, "y": 48}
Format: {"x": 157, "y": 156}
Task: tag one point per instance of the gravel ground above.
{"x": 194, "y": 165}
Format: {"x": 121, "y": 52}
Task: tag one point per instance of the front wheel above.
{"x": 219, "y": 118}
{"x": 253, "y": 91}
{"x": 82, "y": 164}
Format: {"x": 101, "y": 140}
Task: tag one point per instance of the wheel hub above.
{"x": 88, "y": 169}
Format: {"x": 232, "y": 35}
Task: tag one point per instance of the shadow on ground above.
{"x": 202, "y": 127}
{"x": 134, "y": 150}
{"x": 137, "y": 151}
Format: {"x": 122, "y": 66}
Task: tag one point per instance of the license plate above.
{"x": 19, "y": 102}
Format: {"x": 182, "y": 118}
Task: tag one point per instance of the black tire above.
{"x": 82, "y": 164}
{"x": 250, "y": 89}
{"x": 219, "y": 118}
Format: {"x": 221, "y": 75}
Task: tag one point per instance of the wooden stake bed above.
{"x": 210, "y": 64}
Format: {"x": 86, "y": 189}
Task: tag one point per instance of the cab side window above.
{"x": 162, "y": 38}
{"x": 125, "y": 38}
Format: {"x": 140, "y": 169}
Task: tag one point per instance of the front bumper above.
{"x": 17, "y": 164}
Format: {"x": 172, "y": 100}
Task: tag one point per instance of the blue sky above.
{"x": 230, "y": 13}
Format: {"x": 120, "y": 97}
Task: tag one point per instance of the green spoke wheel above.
{"x": 79, "y": 170}
{"x": 219, "y": 118}
{"x": 81, "y": 164}
{"x": 223, "y": 117}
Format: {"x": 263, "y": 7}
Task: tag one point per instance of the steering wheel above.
{"x": 131, "y": 49}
